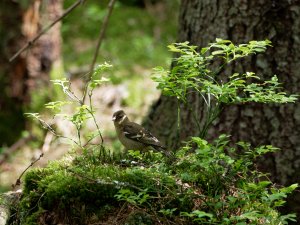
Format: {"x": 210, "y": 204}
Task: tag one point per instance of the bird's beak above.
{"x": 114, "y": 118}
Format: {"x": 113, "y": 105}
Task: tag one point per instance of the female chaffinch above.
{"x": 133, "y": 136}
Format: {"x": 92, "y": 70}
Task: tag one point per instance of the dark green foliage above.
{"x": 195, "y": 70}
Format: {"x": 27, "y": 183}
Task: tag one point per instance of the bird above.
{"x": 133, "y": 136}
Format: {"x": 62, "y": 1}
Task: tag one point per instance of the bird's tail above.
{"x": 165, "y": 151}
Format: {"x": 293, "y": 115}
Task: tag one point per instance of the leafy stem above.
{"x": 90, "y": 110}
{"x": 83, "y": 112}
{"x": 213, "y": 113}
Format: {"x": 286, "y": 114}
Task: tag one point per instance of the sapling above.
{"x": 195, "y": 71}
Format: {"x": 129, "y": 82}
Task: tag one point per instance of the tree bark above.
{"x": 22, "y": 78}
{"x": 200, "y": 22}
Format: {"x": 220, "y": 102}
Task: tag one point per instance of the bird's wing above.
{"x": 136, "y": 132}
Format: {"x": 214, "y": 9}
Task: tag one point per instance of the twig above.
{"x": 94, "y": 118}
{"x": 71, "y": 94}
{"x": 48, "y": 127}
{"x": 102, "y": 32}
{"x": 100, "y": 39}
{"x": 122, "y": 208}
{"x": 18, "y": 182}
{"x": 31, "y": 42}
{"x": 45, "y": 148}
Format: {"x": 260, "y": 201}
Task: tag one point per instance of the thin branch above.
{"x": 31, "y": 42}
{"x": 68, "y": 91}
{"x": 102, "y": 32}
{"x": 100, "y": 39}
{"x": 94, "y": 118}
{"x": 18, "y": 182}
{"x": 48, "y": 127}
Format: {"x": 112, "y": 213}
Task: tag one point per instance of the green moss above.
{"x": 87, "y": 190}
{"x": 64, "y": 187}
{"x": 33, "y": 219}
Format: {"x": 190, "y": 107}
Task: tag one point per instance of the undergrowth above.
{"x": 209, "y": 183}
{"x": 203, "y": 183}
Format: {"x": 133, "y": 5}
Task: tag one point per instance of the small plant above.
{"x": 82, "y": 113}
{"x": 210, "y": 183}
{"x": 230, "y": 189}
{"x": 131, "y": 197}
{"x": 195, "y": 71}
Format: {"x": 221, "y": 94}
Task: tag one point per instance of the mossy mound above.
{"x": 84, "y": 192}
{"x": 204, "y": 184}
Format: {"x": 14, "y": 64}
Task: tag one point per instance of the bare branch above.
{"x": 31, "y": 42}
{"x": 100, "y": 39}
{"x": 18, "y": 182}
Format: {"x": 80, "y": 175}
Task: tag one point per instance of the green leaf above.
{"x": 201, "y": 214}
{"x": 100, "y": 69}
{"x": 57, "y": 105}
{"x": 173, "y": 48}
{"x": 252, "y": 215}
{"x": 218, "y": 52}
{"x": 32, "y": 115}
{"x": 203, "y": 50}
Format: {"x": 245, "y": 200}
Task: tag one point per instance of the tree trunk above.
{"x": 200, "y": 22}
{"x": 29, "y": 72}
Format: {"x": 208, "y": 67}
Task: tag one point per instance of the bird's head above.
{"x": 119, "y": 117}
